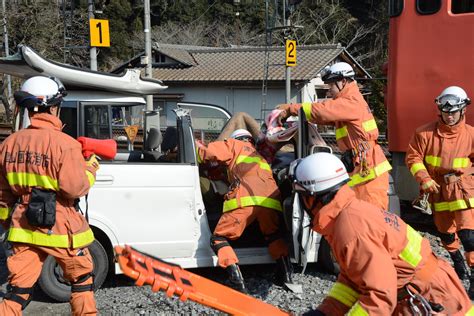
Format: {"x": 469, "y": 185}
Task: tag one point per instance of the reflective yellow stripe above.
{"x": 417, "y": 167}
{"x": 373, "y": 173}
{"x": 344, "y": 294}
{"x": 90, "y": 177}
{"x": 411, "y": 254}
{"x": 252, "y": 200}
{"x": 5, "y": 212}
{"x": 199, "y": 159}
{"x": 307, "y": 110}
{"x": 433, "y": 160}
{"x": 53, "y": 240}
{"x": 460, "y": 162}
{"x": 369, "y": 125}
{"x": 38, "y": 238}
{"x": 357, "y": 310}
{"x": 32, "y": 180}
{"x": 453, "y": 205}
{"x": 247, "y": 159}
{"x": 82, "y": 239}
{"x": 470, "y": 312}
{"x": 341, "y": 132}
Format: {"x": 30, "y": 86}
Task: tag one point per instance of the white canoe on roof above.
{"x": 27, "y": 63}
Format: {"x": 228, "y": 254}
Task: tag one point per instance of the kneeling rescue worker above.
{"x": 386, "y": 267}
{"x": 439, "y": 157}
{"x": 43, "y": 172}
{"x": 356, "y": 132}
{"x": 253, "y": 195}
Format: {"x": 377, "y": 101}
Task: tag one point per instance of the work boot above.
{"x": 236, "y": 280}
{"x": 283, "y": 272}
{"x": 459, "y": 265}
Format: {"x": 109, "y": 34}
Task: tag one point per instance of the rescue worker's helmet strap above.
{"x": 39, "y": 93}
{"x": 337, "y": 72}
{"x": 452, "y": 99}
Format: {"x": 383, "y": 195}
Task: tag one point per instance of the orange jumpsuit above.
{"x": 355, "y": 129}
{"x": 43, "y": 157}
{"x": 253, "y": 195}
{"x": 442, "y": 152}
{"x": 378, "y": 255}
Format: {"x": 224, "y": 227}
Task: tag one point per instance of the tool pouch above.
{"x": 41, "y": 211}
{"x": 347, "y": 160}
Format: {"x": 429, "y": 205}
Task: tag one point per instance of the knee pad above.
{"x": 12, "y": 295}
{"x": 467, "y": 239}
{"x": 75, "y": 287}
{"x": 218, "y": 242}
{"x": 447, "y": 238}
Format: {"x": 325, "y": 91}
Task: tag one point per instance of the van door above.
{"x": 149, "y": 205}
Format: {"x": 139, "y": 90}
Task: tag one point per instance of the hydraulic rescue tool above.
{"x": 173, "y": 280}
{"x": 104, "y": 148}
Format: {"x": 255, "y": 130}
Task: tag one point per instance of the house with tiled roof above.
{"x": 233, "y": 77}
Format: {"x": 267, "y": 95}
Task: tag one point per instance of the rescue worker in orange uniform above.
{"x": 440, "y": 157}
{"x": 253, "y": 195}
{"x": 42, "y": 173}
{"x": 386, "y": 267}
{"x": 356, "y": 132}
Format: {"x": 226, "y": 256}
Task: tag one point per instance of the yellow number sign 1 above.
{"x": 99, "y": 31}
{"x": 290, "y": 53}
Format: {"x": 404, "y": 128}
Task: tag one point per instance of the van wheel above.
{"x": 55, "y": 286}
{"x": 326, "y": 258}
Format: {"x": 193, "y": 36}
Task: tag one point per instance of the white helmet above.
{"x": 48, "y": 91}
{"x": 452, "y": 99}
{"x": 337, "y": 72}
{"x": 240, "y": 134}
{"x": 318, "y": 173}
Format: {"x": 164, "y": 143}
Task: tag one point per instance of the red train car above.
{"x": 431, "y": 47}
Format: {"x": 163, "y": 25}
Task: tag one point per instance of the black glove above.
{"x": 315, "y": 312}
{"x": 25, "y": 100}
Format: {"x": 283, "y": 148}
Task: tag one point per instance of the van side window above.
{"x": 97, "y": 122}
{"x": 425, "y": 7}
{"x": 462, "y": 6}
{"x": 69, "y": 120}
{"x": 395, "y": 8}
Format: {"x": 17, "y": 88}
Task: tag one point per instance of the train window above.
{"x": 395, "y": 8}
{"x": 428, "y": 6}
{"x": 462, "y": 6}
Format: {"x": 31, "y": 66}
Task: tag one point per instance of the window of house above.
{"x": 462, "y": 6}
{"x": 425, "y": 7}
{"x": 160, "y": 58}
{"x": 395, "y": 7}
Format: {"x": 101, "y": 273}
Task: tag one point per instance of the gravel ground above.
{"x": 119, "y": 296}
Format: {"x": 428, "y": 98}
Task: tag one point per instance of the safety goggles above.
{"x": 450, "y": 100}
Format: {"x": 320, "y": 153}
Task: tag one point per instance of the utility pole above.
{"x": 5, "y": 43}
{"x": 288, "y": 68}
{"x": 148, "y": 59}
{"x": 93, "y": 50}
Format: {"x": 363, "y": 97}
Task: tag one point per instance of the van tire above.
{"x": 326, "y": 258}
{"x": 53, "y": 284}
